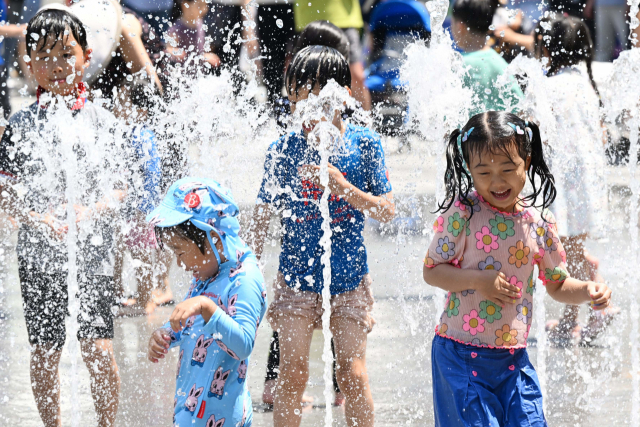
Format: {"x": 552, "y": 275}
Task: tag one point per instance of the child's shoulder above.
{"x": 24, "y": 116}
{"x": 285, "y": 142}
{"x": 362, "y": 134}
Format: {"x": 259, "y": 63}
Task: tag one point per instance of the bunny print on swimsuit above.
{"x": 192, "y": 399}
{"x": 211, "y": 422}
{"x": 242, "y": 371}
{"x": 200, "y": 351}
{"x": 218, "y": 382}
{"x": 231, "y": 308}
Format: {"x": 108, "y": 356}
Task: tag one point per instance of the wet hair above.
{"x": 477, "y": 15}
{"x": 568, "y": 41}
{"x": 492, "y": 133}
{"x": 51, "y": 24}
{"x": 323, "y": 33}
{"x": 316, "y": 65}
{"x": 143, "y": 92}
{"x": 187, "y": 231}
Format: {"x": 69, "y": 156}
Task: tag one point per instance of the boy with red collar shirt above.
{"x": 57, "y": 47}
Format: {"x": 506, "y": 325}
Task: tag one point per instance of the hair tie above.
{"x": 529, "y": 133}
{"x": 516, "y": 129}
{"x": 466, "y": 135}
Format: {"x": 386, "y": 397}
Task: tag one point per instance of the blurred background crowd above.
{"x": 169, "y": 30}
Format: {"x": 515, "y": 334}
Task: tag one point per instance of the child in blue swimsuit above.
{"x": 216, "y": 325}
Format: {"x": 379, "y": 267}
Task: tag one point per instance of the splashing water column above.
{"x": 541, "y": 335}
{"x": 72, "y": 273}
{"x": 325, "y": 242}
{"x": 633, "y": 224}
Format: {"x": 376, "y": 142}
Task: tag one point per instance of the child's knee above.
{"x": 294, "y": 373}
{"x": 352, "y": 373}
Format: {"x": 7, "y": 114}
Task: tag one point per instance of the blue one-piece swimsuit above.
{"x": 211, "y": 388}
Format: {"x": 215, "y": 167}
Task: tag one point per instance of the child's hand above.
{"x": 600, "y": 295}
{"x": 54, "y": 227}
{"x": 191, "y": 307}
{"x": 494, "y": 286}
{"x": 158, "y": 345}
{"x": 337, "y": 182}
{"x": 212, "y": 59}
{"x": 82, "y": 212}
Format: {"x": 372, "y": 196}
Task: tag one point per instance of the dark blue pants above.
{"x": 483, "y": 387}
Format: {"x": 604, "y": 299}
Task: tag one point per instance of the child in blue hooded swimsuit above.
{"x": 216, "y": 325}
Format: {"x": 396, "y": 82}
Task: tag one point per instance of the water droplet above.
{"x": 279, "y": 23}
{"x": 487, "y": 91}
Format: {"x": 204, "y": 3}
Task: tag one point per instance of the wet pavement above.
{"x": 584, "y": 386}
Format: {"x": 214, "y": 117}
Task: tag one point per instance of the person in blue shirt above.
{"x": 143, "y": 177}
{"x": 217, "y": 323}
{"x": 359, "y": 186}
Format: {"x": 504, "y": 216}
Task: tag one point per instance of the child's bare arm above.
{"x": 12, "y": 30}
{"x": 12, "y": 205}
{"x": 573, "y": 291}
{"x": 259, "y": 227}
{"x": 381, "y": 208}
{"x": 492, "y": 284}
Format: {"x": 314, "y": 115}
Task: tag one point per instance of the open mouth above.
{"x": 307, "y": 127}
{"x": 502, "y": 195}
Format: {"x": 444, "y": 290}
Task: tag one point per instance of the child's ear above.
{"x": 528, "y": 163}
{"x": 87, "y": 57}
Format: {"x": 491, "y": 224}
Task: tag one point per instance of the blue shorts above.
{"x": 483, "y": 387}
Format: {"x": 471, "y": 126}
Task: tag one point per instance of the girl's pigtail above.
{"x": 457, "y": 181}
{"x": 539, "y": 167}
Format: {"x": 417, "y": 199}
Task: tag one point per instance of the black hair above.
{"x": 493, "y": 133}
{"x": 477, "y": 15}
{"x": 316, "y": 65}
{"x": 143, "y": 92}
{"x": 51, "y": 24}
{"x": 323, "y": 33}
{"x": 185, "y": 230}
{"x": 568, "y": 41}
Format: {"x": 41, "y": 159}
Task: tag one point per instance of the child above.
{"x": 217, "y": 323}
{"x": 359, "y": 185}
{"x": 187, "y": 35}
{"x": 579, "y": 161}
{"x": 135, "y": 102}
{"x": 470, "y": 22}
{"x": 58, "y": 52}
{"x": 486, "y": 245}
{"x": 321, "y": 33}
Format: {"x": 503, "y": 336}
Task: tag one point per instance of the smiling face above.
{"x": 58, "y": 65}
{"x": 189, "y": 256}
{"x": 499, "y": 177}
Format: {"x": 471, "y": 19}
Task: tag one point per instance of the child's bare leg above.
{"x": 105, "y": 378}
{"x": 295, "y": 334}
{"x": 45, "y": 383}
{"x": 351, "y": 345}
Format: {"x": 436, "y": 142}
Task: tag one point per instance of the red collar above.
{"x": 80, "y": 100}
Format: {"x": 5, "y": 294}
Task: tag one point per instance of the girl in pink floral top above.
{"x": 487, "y": 244}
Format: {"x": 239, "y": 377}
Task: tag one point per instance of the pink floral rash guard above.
{"x": 493, "y": 240}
